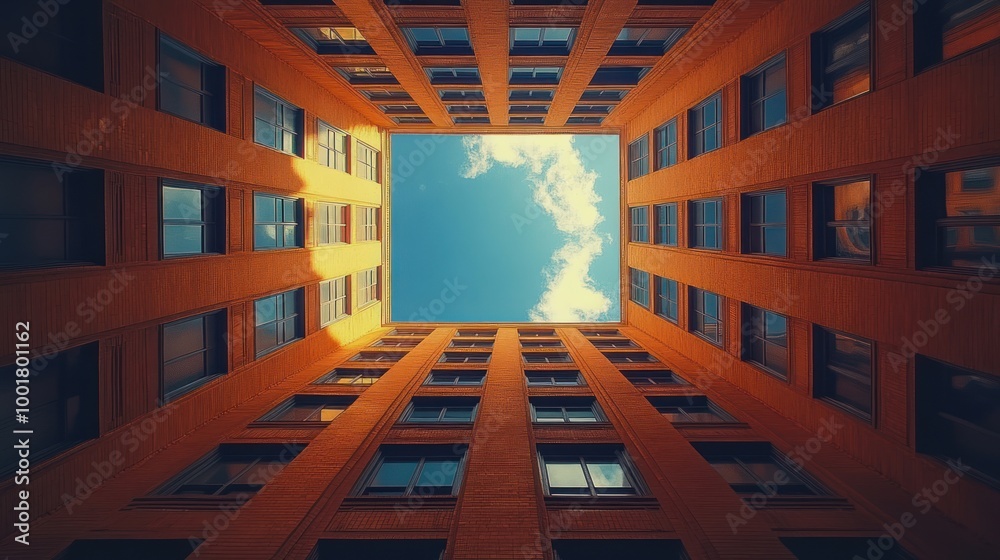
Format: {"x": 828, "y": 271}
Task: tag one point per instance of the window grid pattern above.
{"x": 368, "y": 223}
{"x": 367, "y": 162}
{"x": 706, "y": 126}
{"x": 665, "y": 138}
{"x": 765, "y": 98}
{"x": 666, "y": 224}
{"x": 639, "y": 287}
{"x": 278, "y": 320}
{"x": 638, "y": 158}
{"x": 190, "y": 219}
{"x": 333, "y": 300}
{"x": 706, "y": 315}
{"x": 843, "y": 372}
{"x": 276, "y": 222}
{"x": 332, "y": 222}
{"x": 572, "y": 411}
{"x": 843, "y": 216}
{"x": 599, "y": 471}
{"x": 706, "y": 224}
{"x": 333, "y": 144}
{"x": 766, "y": 227}
{"x": 367, "y": 287}
{"x": 765, "y": 340}
{"x": 639, "y": 224}
{"x": 665, "y": 303}
{"x": 277, "y": 123}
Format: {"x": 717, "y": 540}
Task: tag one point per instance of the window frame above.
{"x": 335, "y": 297}
{"x": 660, "y": 299}
{"x": 325, "y": 228}
{"x": 744, "y": 453}
{"x": 368, "y": 231}
{"x": 564, "y": 404}
{"x": 259, "y": 452}
{"x": 369, "y": 291}
{"x": 639, "y": 228}
{"x": 443, "y": 403}
{"x": 696, "y": 308}
{"x": 459, "y": 374}
{"x": 718, "y": 225}
{"x": 442, "y": 48}
{"x": 297, "y": 129}
{"x": 684, "y": 402}
{"x": 365, "y": 169}
{"x": 751, "y": 229}
{"x": 213, "y": 209}
{"x": 273, "y": 417}
{"x": 211, "y": 71}
{"x": 666, "y": 151}
{"x": 663, "y": 226}
{"x": 220, "y": 359}
{"x": 822, "y": 370}
{"x": 465, "y": 357}
{"x": 698, "y": 133}
{"x": 750, "y": 101}
{"x": 546, "y": 453}
{"x": 637, "y": 289}
{"x": 540, "y": 48}
{"x": 553, "y": 375}
{"x": 824, "y": 202}
{"x": 297, "y": 318}
{"x": 299, "y": 220}
{"x": 820, "y": 43}
{"x": 336, "y": 158}
{"x": 638, "y": 157}
{"x": 416, "y": 451}
{"x": 754, "y": 328}
{"x": 546, "y": 358}
{"x": 362, "y": 377}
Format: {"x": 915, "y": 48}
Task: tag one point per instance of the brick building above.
{"x": 194, "y": 207}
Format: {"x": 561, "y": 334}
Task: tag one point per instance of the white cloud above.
{"x": 564, "y": 189}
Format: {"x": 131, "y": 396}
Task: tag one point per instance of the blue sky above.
{"x": 505, "y": 228}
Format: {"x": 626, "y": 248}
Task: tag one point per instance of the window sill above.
{"x": 187, "y": 503}
{"x": 603, "y": 425}
{"x": 189, "y": 388}
{"x": 435, "y": 425}
{"x": 601, "y": 502}
{"x": 711, "y": 425}
{"x": 868, "y": 419}
{"x": 273, "y": 149}
{"x": 190, "y": 256}
{"x": 395, "y": 503}
{"x": 260, "y": 355}
{"x": 285, "y": 425}
{"x": 799, "y": 502}
{"x": 784, "y": 378}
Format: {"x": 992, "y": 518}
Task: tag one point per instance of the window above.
{"x": 843, "y": 220}
{"x": 331, "y": 223}
{"x": 69, "y": 44}
{"x": 949, "y": 28}
{"x": 585, "y": 120}
{"x": 633, "y": 549}
{"x": 277, "y": 222}
{"x": 465, "y": 358}
{"x": 63, "y": 408}
{"x": 595, "y": 333}
{"x": 536, "y": 75}
{"x": 645, "y": 41}
{"x": 706, "y": 224}
{"x": 528, "y": 109}
{"x": 397, "y": 342}
{"x": 665, "y": 138}
{"x": 764, "y": 98}
{"x": 541, "y": 344}
{"x": 480, "y": 333}
{"x": 639, "y": 287}
{"x": 536, "y": 41}
{"x": 613, "y": 343}
{"x": 619, "y": 75}
{"x": 128, "y": 549}
{"x": 957, "y": 416}
{"x": 410, "y": 332}
{"x": 958, "y": 217}
{"x": 390, "y": 357}
{"x": 367, "y": 75}
{"x": 638, "y": 158}
{"x": 837, "y": 548}
{"x": 587, "y": 470}
{"x": 592, "y": 109}
{"x": 652, "y": 377}
{"x": 603, "y": 95}
{"x": 486, "y": 120}
{"x": 764, "y": 226}
{"x": 368, "y": 288}
{"x": 367, "y": 162}
{"x": 639, "y": 224}
{"x": 191, "y": 87}
{"x": 690, "y": 409}
{"x": 666, "y": 224}
{"x": 333, "y": 144}
{"x": 48, "y": 222}
{"x": 333, "y": 300}
{"x": 386, "y": 95}
{"x": 193, "y": 352}
{"x": 705, "y": 124}
{"x": 471, "y": 344}
{"x": 531, "y": 95}
{"x": 706, "y": 315}
{"x": 368, "y": 223}
{"x": 546, "y": 357}
{"x": 351, "y": 376}
{"x": 373, "y": 549}
{"x": 463, "y": 95}
{"x": 415, "y": 470}
{"x": 335, "y": 40}
{"x": 524, "y": 120}
{"x": 235, "y": 470}
{"x": 842, "y": 58}
{"x": 629, "y": 357}
{"x": 319, "y": 409}
{"x": 451, "y": 410}
{"x": 536, "y": 332}
{"x": 456, "y": 377}
{"x": 193, "y": 219}
{"x": 438, "y": 40}
{"x": 765, "y": 340}
{"x": 467, "y": 109}
{"x": 755, "y": 468}
{"x": 277, "y": 123}
{"x": 843, "y": 372}
{"x": 565, "y": 410}
{"x": 665, "y": 298}
{"x": 445, "y": 76}
{"x": 278, "y": 320}
{"x": 549, "y": 378}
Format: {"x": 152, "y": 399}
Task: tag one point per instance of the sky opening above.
{"x": 496, "y": 228}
